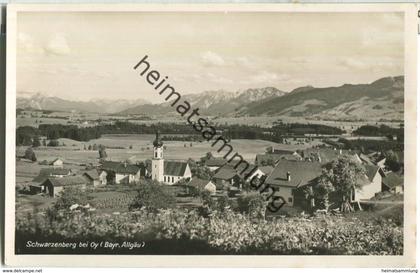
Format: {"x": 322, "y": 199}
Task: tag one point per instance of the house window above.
{"x": 164, "y": 178}
{"x": 172, "y": 179}
{"x": 155, "y": 154}
{"x": 290, "y": 200}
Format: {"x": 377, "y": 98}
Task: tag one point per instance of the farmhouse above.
{"x": 165, "y": 171}
{"x": 325, "y": 155}
{"x": 393, "y": 183}
{"x": 120, "y": 172}
{"x": 58, "y": 163}
{"x": 228, "y": 174}
{"x": 54, "y": 185}
{"x": 370, "y": 186}
{"x": 51, "y": 172}
{"x": 95, "y": 178}
{"x": 203, "y": 185}
{"x": 288, "y": 176}
{"x": 273, "y": 158}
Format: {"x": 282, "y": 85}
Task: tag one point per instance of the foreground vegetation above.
{"x": 172, "y": 231}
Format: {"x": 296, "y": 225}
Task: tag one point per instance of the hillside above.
{"x": 383, "y": 98}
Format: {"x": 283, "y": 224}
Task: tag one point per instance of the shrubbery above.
{"x": 226, "y": 232}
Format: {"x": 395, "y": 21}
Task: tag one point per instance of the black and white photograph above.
{"x": 211, "y": 132}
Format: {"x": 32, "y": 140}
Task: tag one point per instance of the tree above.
{"x": 90, "y": 147}
{"x": 253, "y": 203}
{"x": 322, "y": 191}
{"x": 102, "y": 152}
{"x": 152, "y": 196}
{"x": 344, "y": 175}
{"x": 94, "y": 147}
{"x": 44, "y": 142}
{"x": 29, "y": 154}
{"x": 53, "y": 143}
{"x": 392, "y": 162}
{"x": 36, "y": 142}
{"x": 69, "y": 197}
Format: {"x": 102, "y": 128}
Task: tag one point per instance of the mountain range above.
{"x": 108, "y": 106}
{"x": 383, "y": 98}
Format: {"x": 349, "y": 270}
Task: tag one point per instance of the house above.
{"x": 121, "y": 172}
{"x": 228, "y": 174}
{"x": 393, "y": 182}
{"x": 203, "y": 185}
{"x": 369, "y": 186}
{"x": 325, "y": 155}
{"x": 95, "y": 178}
{"x": 58, "y": 163}
{"x": 272, "y": 159}
{"x": 167, "y": 171}
{"x": 51, "y": 172}
{"x": 288, "y": 176}
{"x": 54, "y": 185}
{"x": 215, "y": 163}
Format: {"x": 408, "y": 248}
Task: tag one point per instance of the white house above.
{"x": 203, "y": 185}
{"x": 371, "y": 185}
{"x": 57, "y": 162}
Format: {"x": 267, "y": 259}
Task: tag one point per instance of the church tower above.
{"x": 157, "y": 160}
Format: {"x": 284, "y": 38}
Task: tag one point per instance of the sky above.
{"x": 82, "y": 56}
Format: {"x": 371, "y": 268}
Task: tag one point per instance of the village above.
{"x": 294, "y": 174}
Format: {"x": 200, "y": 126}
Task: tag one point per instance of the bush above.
{"x": 152, "y": 196}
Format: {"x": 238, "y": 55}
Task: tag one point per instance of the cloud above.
{"x": 212, "y": 59}
{"x": 268, "y": 77}
{"x": 58, "y": 45}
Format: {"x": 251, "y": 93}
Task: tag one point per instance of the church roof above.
{"x": 174, "y": 168}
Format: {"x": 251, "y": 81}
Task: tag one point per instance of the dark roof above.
{"x": 301, "y": 173}
{"x": 392, "y": 180}
{"x": 52, "y": 162}
{"x": 92, "y": 174}
{"x": 226, "y": 172}
{"x": 366, "y": 159}
{"x": 66, "y": 181}
{"x": 259, "y": 158}
{"x": 198, "y": 183}
{"x": 371, "y": 171}
{"x": 174, "y": 168}
{"x": 47, "y": 172}
{"x": 266, "y": 169}
{"x": 325, "y": 154}
{"x": 120, "y": 167}
{"x": 215, "y": 162}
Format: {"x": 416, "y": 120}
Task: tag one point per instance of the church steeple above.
{"x": 157, "y": 142}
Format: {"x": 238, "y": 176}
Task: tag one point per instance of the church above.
{"x": 167, "y": 171}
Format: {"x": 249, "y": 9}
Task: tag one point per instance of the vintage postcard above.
{"x": 261, "y": 135}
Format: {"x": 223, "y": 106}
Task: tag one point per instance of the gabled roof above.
{"x": 52, "y": 162}
{"x": 66, "y": 181}
{"x": 325, "y": 154}
{"x": 366, "y": 159}
{"x": 47, "y": 172}
{"x": 120, "y": 167}
{"x": 282, "y": 152}
{"x": 371, "y": 171}
{"x": 174, "y": 168}
{"x": 226, "y": 172}
{"x": 301, "y": 173}
{"x": 199, "y": 183}
{"x": 215, "y": 162}
{"x": 266, "y": 169}
{"x": 92, "y": 174}
{"x": 392, "y": 180}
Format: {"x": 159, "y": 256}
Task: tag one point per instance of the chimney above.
{"x": 288, "y": 176}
